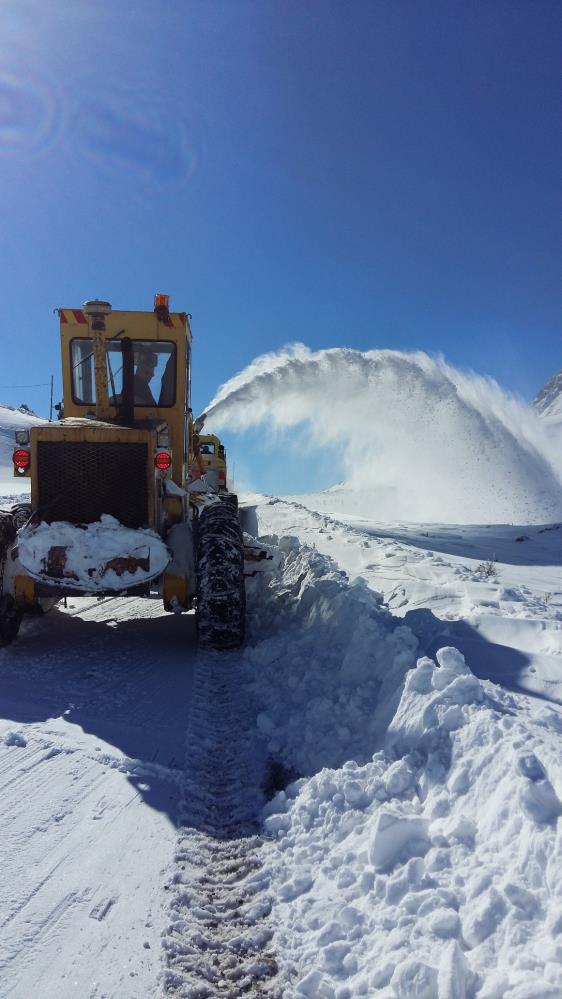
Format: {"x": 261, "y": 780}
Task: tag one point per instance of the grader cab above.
{"x": 115, "y": 506}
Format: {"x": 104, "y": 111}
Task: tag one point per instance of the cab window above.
{"x": 154, "y": 372}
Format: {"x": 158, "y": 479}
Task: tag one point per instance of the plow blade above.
{"x": 100, "y": 557}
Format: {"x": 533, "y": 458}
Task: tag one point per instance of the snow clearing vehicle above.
{"x": 116, "y": 505}
{"x": 210, "y": 461}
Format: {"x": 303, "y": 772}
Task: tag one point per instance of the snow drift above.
{"x": 328, "y": 677}
{"x": 420, "y": 857}
{"x": 427, "y": 441}
{"x": 433, "y": 870}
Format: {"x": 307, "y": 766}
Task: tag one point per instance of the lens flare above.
{"x": 30, "y": 113}
{"x": 132, "y": 137}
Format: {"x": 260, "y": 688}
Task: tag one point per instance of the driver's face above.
{"x": 146, "y": 368}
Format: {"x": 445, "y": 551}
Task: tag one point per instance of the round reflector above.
{"x": 163, "y": 460}
{"x": 21, "y": 458}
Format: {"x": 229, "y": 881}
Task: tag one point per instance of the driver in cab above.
{"x": 146, "y": 361}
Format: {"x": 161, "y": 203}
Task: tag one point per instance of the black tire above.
{"x": 10, "y": 620}
{"x": 20, "y": 515}
{"x": 221, "y": 596}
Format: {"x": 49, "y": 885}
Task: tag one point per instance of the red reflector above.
{"x": 21, "y": 458}
{"x": 222, "y": 476}
{"x": 163, "y": 460}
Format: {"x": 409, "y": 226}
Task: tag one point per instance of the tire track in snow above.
{"x": 219, "y": 938}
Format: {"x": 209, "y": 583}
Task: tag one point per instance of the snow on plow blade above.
{"x": 89, "y": 557}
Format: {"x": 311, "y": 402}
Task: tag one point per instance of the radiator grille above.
{"x": 79, "y": 481}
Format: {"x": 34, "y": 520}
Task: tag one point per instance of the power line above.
{"x": 37, "y": 385}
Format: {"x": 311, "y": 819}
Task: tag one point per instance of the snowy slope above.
{"x": 548, "y": 405}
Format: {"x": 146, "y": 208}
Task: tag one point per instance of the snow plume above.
{"x": 425, "y": 441}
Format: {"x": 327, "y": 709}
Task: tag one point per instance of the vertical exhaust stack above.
{"x": 96, "y": 311}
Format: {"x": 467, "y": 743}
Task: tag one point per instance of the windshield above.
{"x": 154, "y": 367}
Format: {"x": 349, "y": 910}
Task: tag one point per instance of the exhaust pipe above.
{"x": 96, "y": 311}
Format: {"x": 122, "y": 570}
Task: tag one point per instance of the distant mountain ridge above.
{"x": 548, "y": 401}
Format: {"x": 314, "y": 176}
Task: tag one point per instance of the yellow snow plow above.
{"x": 115, "y": 504}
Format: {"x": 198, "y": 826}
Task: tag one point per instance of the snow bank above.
{"x": 89, "y": 549}
{"x": 434, "y": 870}
{"x": 328, "y": 677}
{"x": 427, "y": 441}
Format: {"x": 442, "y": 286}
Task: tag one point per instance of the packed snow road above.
{"x": 94, "y": 701}
{"x": 96, "y": 776}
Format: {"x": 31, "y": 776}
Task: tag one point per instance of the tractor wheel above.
{"x": 221, "y": 597}
{"x": 10, "y": 620}
{"x": 20, "y": 515}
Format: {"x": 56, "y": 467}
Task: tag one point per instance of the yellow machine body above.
{"x": 83, "y": 467}
{"x": 138, "y": 326}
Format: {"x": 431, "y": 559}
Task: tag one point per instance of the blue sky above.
{"x": 372, "y": 173}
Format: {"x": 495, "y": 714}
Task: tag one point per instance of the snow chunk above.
{"x": 445, "y": 691}
{"x": 399, "y": 778}
{"x": 454, "y": 977}
{"x": 15, "y": 739}
{"x": 314, "y": 986}
{"x": 413, "y": 979}
{"x": 540, "y": 801}
{"x": 295, "y": 886}
{"x": 480, "y": 920}
{"x": 444, "y": 923}
{"x": 452, "y": 664}
{"x": 395, "y": 836}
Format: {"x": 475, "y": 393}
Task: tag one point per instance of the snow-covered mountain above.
{"x": 548, "y": 404}
{"x": 549, "y": 400}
